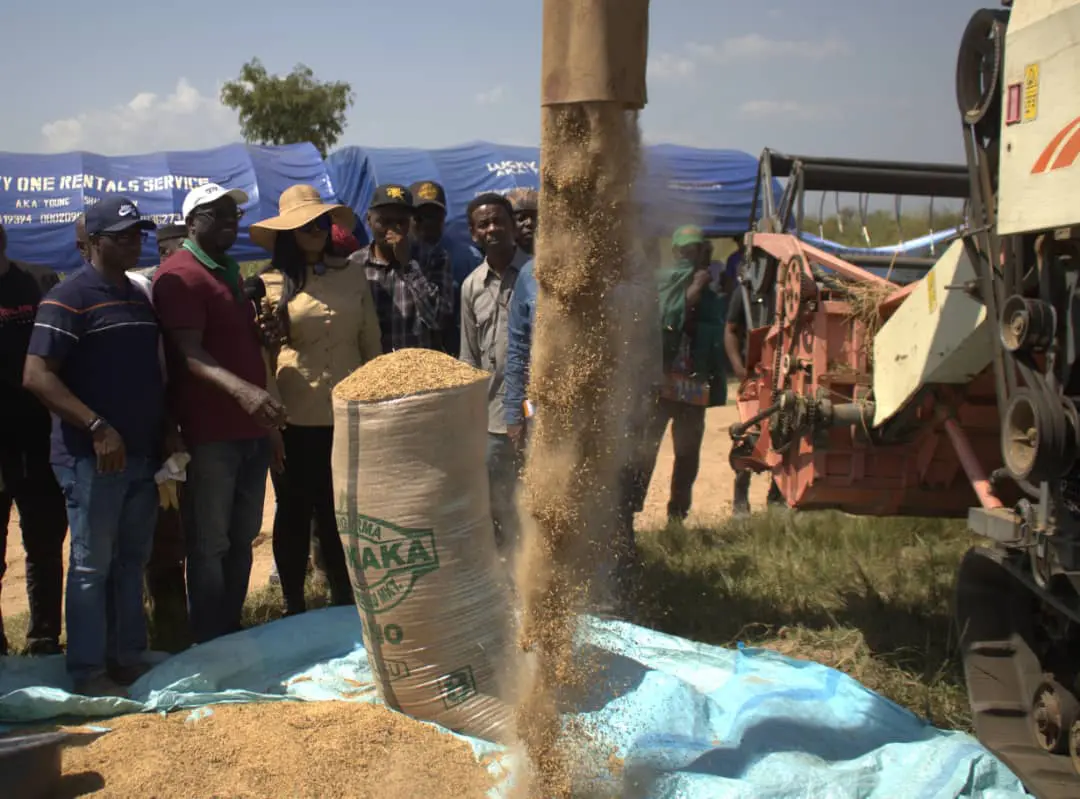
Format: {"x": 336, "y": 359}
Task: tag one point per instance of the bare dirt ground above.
{"x": 712, "y": 500}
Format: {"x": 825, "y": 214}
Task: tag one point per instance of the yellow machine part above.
{"x": 939, "y": 334}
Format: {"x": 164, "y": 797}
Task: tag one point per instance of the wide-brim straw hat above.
{"x": 297, "y": 206}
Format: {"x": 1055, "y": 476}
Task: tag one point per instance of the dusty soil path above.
{"x": 712, "y": 500}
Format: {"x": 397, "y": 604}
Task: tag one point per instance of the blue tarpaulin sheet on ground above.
{"x": 687, "y": 720}
{"x": 41, "y": 196}
{"x": 681, "y": 185}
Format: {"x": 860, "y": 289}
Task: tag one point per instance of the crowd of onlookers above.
{"x": 173, "y": 395}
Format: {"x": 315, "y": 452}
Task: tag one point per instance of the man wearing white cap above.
{"x": 229, "y": 421}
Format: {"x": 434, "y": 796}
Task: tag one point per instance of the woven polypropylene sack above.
{"x": 414, "y": 515}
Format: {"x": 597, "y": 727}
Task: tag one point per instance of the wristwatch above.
{"x": 97, "y": 423}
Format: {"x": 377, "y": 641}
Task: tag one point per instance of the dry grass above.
{"x": 870, "y": 597}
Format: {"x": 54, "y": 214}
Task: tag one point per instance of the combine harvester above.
{"x": 956, "y": 395}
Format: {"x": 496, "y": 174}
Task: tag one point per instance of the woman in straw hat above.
{"x": 330, "y": 328}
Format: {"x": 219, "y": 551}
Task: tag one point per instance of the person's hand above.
{"x": 272, "y": 331}
{"x": 277, "y": 444}
{"x": 109, "y": 448}
{"x": 739, "y": 370}
{"x": 400, "y": 243}
{"x": 263, "y": 408}
{"x": 516, "y": 434}
{"x": 700, "y": 280}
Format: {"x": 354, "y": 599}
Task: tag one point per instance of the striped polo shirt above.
{"x": 104, "y": 338}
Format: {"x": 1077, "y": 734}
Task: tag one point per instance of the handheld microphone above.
{"x": 254, "y": 292}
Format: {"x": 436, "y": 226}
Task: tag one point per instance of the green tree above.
{"x": 288, "y": 109}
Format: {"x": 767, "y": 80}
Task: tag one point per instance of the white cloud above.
{"x": 789, "y": 109}
{"x": 186, "y": 119}
{"x": 494, "y": 95}
{"x": 754, "y": 45}
{"x": 665, "y": 66}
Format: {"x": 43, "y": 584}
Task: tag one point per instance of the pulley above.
{"x": 1027, "y": 325}
{"x": 1038, "y": 436}
{"x": 979, "y": 66}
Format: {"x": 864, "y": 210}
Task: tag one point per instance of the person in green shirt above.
{"x": 692, "y": 320}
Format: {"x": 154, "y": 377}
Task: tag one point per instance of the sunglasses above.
{"x": 220, "y": 214}
{"x": 318, "y": 225}
{"x": 125, "y": 236}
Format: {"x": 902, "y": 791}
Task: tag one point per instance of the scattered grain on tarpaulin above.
{"x": 294, "y": 749}
{"x": 404, "y": 373}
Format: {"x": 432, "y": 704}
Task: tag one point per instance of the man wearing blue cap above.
{"x": 93, "y": 362}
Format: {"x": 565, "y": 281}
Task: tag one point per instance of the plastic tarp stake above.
{"x": 678, "y": 719}
{"x": 41, "y": 196}
{"x": 680, "y": 185}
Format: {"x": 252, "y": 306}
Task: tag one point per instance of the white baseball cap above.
{"x": 208, "y": 193}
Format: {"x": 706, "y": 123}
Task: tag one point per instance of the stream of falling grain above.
{"x": 587, "y": 246}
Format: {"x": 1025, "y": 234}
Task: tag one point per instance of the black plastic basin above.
{"x": 30, "y": 764}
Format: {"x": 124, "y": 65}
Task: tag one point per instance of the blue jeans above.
{"x": 112, "y": 519}
{"x": 222, "y": 510}
{"x": 503, "y": 465}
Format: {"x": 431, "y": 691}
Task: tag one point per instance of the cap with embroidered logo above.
{"x": 210, "y": 193}
{"x": 389, "y": 195}
{"x": 114, "y": 214}
{"x": 428, "y": 192}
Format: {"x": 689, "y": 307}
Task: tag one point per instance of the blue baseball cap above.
{"x": 114, "y": 214}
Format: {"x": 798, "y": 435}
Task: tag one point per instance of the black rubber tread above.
{"x": 994, "y": 606}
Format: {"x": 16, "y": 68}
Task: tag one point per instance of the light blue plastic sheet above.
{"x": 689, "y": 721}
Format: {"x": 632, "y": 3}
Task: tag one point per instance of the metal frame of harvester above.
{"x": 955, "y": 395}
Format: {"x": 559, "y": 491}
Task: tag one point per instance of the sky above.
{"x": 833, "y": 77}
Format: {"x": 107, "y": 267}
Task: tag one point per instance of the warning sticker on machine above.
{"x": 1031, "y": 92}
{"x": 931, "y": 292}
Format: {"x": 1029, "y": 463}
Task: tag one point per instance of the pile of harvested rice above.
{"x": 404, "y": 373}
{"x": 294, "y": 749}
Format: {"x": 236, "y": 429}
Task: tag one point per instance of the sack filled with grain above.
{"x": 411, "y": 490}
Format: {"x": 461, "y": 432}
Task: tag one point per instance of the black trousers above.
{"x": 687, "y": 433}
{"x": 305, "y": 499}
{"x": 30, "y": 485}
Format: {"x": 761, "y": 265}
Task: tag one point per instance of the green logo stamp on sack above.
{"x": 457, "y": 686}
{"x": 390, "y": 558}
{"x": 396, "y": 669}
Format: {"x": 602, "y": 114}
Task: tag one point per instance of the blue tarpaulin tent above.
{"x": 41, "y": 196}
{"x": 711, "y": 188}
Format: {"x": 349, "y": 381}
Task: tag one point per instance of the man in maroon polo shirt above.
{"x": 228, "y": 419}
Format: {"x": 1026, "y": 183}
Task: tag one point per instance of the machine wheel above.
{"x": 996, "y": 611}
{"x": 979, "y": 65}
{"x": 1054, "y": 713}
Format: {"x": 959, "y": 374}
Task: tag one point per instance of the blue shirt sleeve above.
{"x": 58, "y": 326}
{"x": 519, "y": 346}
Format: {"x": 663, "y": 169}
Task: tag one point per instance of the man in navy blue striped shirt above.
{"x": 93, "y": 362}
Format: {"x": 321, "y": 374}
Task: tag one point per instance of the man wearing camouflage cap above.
{"x": 526, "y": 204}
{"x": 411, "y": 307}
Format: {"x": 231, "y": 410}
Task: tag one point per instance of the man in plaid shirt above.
{"x": 412, "y": 308}
{"x": 429, "y": 250}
